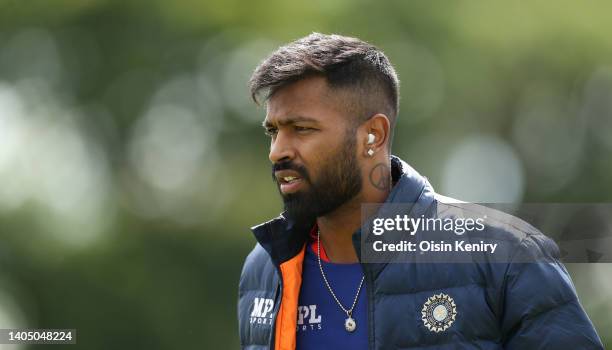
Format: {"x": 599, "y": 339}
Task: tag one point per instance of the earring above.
{"x": 371, "y": 139}
{"x": 370, "y": 152}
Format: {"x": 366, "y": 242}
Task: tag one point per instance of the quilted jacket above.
{"x": 512, "y": 305}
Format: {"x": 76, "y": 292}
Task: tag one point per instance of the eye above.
{"x": 303, "y": 129}
{"x": 271, "y": 132}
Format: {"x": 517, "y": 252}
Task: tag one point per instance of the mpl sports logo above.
{"x": 308, "y": 319}
{"x": 262, "y": 311}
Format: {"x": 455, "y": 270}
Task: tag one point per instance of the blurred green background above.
{"x": 132, "y": 162}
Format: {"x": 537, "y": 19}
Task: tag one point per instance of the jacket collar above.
{"x": 283, "y": 238}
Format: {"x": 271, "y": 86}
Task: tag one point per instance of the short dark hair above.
{"x": 347, "y": 63}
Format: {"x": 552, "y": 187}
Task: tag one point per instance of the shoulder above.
{"x": 258, "y": 256}
{"x": 523, "y": 241}
{"x": 258, "y": 269}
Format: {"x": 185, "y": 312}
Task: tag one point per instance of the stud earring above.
{"x": 370, "y": 152}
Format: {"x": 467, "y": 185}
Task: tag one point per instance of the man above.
{"x": 332, "y": 104}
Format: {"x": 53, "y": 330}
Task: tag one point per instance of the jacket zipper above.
{"x": 370, "y": 295}
{"x": 278, "y": 296}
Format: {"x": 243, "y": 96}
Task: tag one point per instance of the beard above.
{"x": 338, "y": 181}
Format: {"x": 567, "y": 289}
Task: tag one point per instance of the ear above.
{"x": 379, "y": 126}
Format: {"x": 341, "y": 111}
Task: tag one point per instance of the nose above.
{"x": 281, "y": 148}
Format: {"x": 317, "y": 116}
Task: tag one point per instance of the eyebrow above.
{"x": 290, "y": 120}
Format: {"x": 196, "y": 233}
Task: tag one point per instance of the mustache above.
{"x": 289, "y": 165}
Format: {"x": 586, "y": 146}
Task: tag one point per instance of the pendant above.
{"x": 350, "y": 325}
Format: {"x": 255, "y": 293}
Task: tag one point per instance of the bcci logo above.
{"x": 439, "y": 312}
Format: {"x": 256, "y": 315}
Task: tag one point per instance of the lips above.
{"x": 290, "y": 180}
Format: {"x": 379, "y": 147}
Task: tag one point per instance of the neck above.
{"x": 337, "y": 227}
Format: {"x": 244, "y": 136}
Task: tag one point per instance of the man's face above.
{"x": 312, "y": 150}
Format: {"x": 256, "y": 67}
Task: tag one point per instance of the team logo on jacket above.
{"x": 439, "y": 312}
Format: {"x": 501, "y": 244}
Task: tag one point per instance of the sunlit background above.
{"x": 132, "y": 161}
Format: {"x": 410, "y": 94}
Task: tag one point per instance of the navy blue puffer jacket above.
{"x": 497, "y": 306}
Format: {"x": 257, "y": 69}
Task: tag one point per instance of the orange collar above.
{"x": 314, "y": 244}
